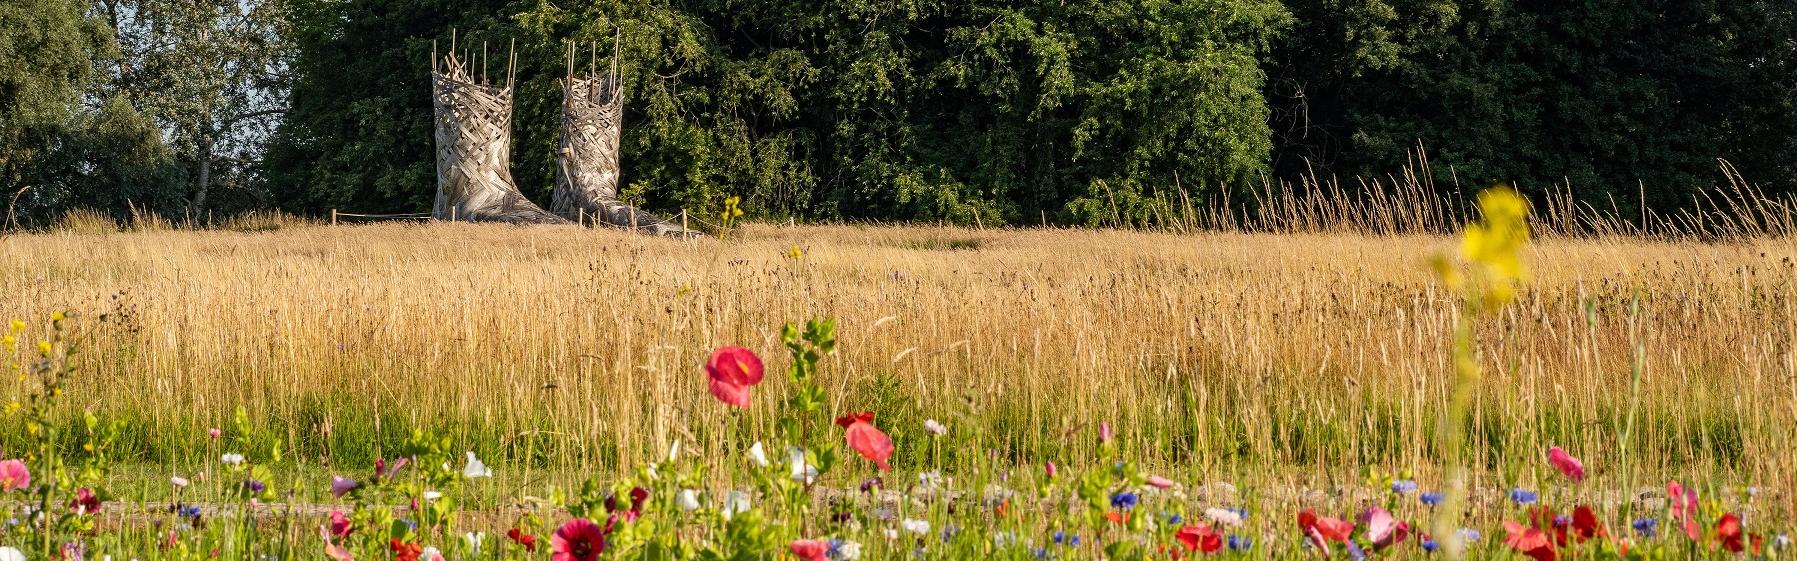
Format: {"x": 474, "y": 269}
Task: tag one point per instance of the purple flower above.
{"x": 341, "y": 486}
{"x": 1124, "y": 500}
{"x": 1430, "y": 498}
{"x": 1238, "y": 543}
{"x": 1645, "y": 526}
{"x": 1403, "y": 486}
{"x": 1523, "y": 496}
{"x": 254, "y": 486}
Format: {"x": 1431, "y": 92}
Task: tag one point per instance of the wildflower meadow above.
{"x": 760, "y": 450}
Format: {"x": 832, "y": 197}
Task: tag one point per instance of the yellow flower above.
{"x": 43, "y": 347}
{"x": 1494, "y": 244}
{"x": 58, "y": 316}
{"x": 795, "y": 253}
{"x": 18, "y": 326}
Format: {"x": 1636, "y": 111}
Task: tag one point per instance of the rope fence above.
{"x": 583, "y": 220}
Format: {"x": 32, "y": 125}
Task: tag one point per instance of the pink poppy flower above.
{"x": 1050, "y": 469}
{"x": 85, "y": 502}
{"x": 1684, "y": 504}
{"x": 732, "y": 371}
{"x": 1159, "y": 482}
{"x": 1382, "y": 529}
{"x": 862, "y": 437}
{"x": 578, "y": 540}
{"x": 339, "y": 525}
{"x": 337, "y": 552}
{"x": 1568, "y": 465}
{"x": 811, "y": 550}
{"x": 14, "y": 475}
{"x": 1104, "y": 432}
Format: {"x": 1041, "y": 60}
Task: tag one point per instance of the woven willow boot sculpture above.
{"x": 586, "y": 173}
{"x": 474, "y": 151}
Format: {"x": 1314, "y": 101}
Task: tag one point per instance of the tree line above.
{"x": 1068, "y": 112}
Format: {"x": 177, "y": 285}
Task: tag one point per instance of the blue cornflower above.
{"x": 1175, "y": 518}
{"x": 1523, "y": 496}
{"x": 1239, "y": 543}
{"x": 1240, "y": 511}
{"x": 190, "y": 511}
{"x": 1430, "y": 498}
{"x": 1063, "y": 538}
{"x": 1562, "y": 521}
{"x": 1124, "y": 500}
{"x": 1040, "y": 553}
{"x": 255, "y": 486}
{"x": 1355, "y": 553}
{"x": 835, "y": 551}
{"x": 410, "y": 523}
{"x": 1429, "y": 545}
{"x": 1469, "y": 534}
{"x": 948, "y": 531}
{"x": 1646, "y": 526}
{"x": 1403, "y": 486}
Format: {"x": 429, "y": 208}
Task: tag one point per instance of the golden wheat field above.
{"x": 1296, "y": 354}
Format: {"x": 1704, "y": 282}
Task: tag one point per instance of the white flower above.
{"x": 475, "y": 468}
{"x": 177, "y": 481}
{"x": 11, "y": 554}
{"x": 848, "y": 551}
{"x": 735, "y": 502}
{"x": 1002, "y": 539}
{"x": 472, "y": 541}
{"x": 758, "y": 455}
{"x": 430, "y": 554}
{"x": 1223, "y": 516}
{"x": 915, "y": 526}
{"x": 802, "y": 471}
{"x": 432, "y": 495}
{"x": 891, "y": 534}
{"x": 687, "y": 500}
{"x": 932, "y": 479}
{"x": 231, "y": 459}
{"x": 935, "y": 428}
{"x": 653, "y": 475}
{"x": 674, "y": 451}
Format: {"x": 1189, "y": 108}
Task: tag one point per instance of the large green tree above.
{"x": 65, "y": 143}
{"x": 920, "y": 109}
{"x": 1613, "y": 98}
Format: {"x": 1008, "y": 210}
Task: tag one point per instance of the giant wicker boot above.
{"x": 474, "y": 151}
{"x": 586, "y": 173}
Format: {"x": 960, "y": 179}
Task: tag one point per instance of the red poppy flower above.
{"x": 1585, "y": 524}
{"x": 1117, "y": 517}
{"x": 578, "y": 540}
{"x": 528, "y": 541}
{"x": 1322, "y": 530}
{"x": 1199, "y": 538}
{"x": 1529, "y": 541}
{"x": 1728, "y": 530}
{"x": 403, "y": 551}
{"x": 732, "y": 371}
{"x": 865, "y": 439}
{"x": 811, "y": 550}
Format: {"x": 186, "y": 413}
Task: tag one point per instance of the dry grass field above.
{"x": 1217, "y": 354}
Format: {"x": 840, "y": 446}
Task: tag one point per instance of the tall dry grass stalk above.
{"x": 1216, "y": 354}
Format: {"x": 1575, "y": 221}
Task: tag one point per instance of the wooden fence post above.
{"x": 683, "y": 219}
{"x": 333, "y": 217}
